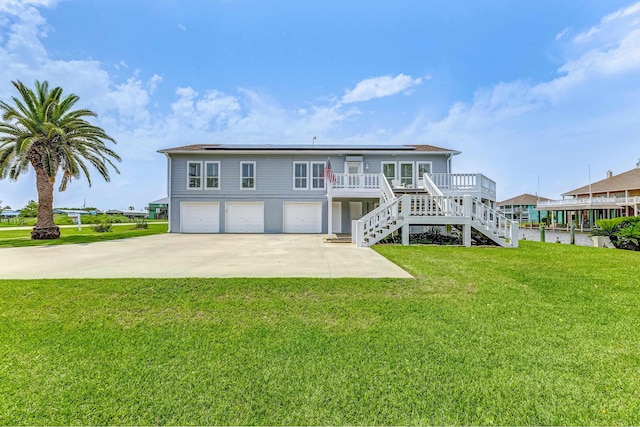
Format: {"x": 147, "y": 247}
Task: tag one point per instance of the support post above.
{"x": 572, "y": 234}
{"x": 329, "y": 215}
{"x": 466, "y": 235}
{"x": 405, "y": 234}
{"x": 542, "y": 235}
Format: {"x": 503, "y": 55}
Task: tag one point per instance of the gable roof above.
{"x": 629, "y": 180}
{"x": 324, "y": 148}
{"x": 523, "y": 199}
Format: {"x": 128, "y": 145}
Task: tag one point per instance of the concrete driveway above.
{"x": 198, "y": 255}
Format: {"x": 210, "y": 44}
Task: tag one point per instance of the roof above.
{"x": 163, "y": 201}
{"x": 525, "y": 199}
{"x": 629, "y": 180}
{"x": 338, "y": 148}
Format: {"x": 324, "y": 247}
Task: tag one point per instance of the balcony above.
{"x": 589, "y": 203}
{"x": 368, "y": 185}
{"x": 460, "y": 184}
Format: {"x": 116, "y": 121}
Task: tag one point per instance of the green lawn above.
{"x": 18, "y": 238}
{"x": 544, "y": 334}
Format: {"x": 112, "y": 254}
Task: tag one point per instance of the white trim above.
{"x": 423, "y": 162}
{"x": 346, "y": 167}
{"x": 320, "y": 178}
{"x": 169, "y": 202}
{"x": 255, "y": 175}
{"x": 395, "y": 168}
{"x": 413, "y": 174}
{"x": 306, "y": 177}
{"x": 207, "y": 176}
{"x": 189, "y": 163}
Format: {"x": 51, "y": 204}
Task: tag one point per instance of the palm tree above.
{"x": 42, "y": 130}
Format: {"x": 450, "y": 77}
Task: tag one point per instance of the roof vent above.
{"x": 609, "y": 174}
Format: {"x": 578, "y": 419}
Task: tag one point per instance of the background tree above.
{"x": 30, "y": 210}
{"x": 40, "y": 129}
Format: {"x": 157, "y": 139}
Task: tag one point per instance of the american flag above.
{"x": 328, "y": 172}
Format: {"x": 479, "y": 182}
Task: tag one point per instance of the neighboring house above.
{"x": 522, "y": 208}
{"x": 612, "y": 197}
{"x": 128, "y": 214}
{"x": 216, "y": 188}
{"x": 74, "y": 212}
{"x": 158, "y": 209}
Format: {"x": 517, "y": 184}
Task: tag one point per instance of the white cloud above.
{"x": 182, "y": 27}
{"x": 379, "y": 87}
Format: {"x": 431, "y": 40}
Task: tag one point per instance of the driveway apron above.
{"x": 199, "y": 255}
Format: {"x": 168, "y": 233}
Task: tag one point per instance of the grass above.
{"x": 20, "y": 238}
{"x": 543, "y": 335}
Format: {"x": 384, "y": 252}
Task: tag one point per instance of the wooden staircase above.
{"x": 433, "y": 208}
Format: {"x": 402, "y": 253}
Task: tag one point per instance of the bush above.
{"x": 141, "y": 223}
{"x": 103, "y": 227}
{"x": 624, "y": 232}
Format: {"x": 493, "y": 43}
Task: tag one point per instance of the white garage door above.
{"x": 244, "y": 217}
{"x": 303, "y": 217}
{"x": 199, "y": 217}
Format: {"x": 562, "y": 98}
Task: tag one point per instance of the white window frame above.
{"x": 242, "y": 177}
{"x": 200, "y": 186}
{"x": 413, "y": 171}
{"x": 423, "y": 163}
{"x": 206, "y": 176}
{"x": 305, "y": 177}
{"x": 395, "y": 169}
{"x": 317, "y": 179}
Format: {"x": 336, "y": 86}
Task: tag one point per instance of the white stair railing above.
{"x": 493, "y": 221}
{"x": 376, "y": 224}
{"x": 385, "y": 187}
{"x": 430, "y": 186}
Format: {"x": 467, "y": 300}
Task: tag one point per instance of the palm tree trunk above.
{"x": 45, "y": 228}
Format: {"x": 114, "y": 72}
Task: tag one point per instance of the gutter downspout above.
{"x": 169, "y": 192}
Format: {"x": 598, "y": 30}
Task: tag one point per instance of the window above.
{"x": 406, "y": 174}
{"x": 194, "y": 180}
{"x": 212, "y": 175}
{"x": 300, "y": 175}
{"x": 389, "y": 170}
{"x": 423, "y": 167}
{"x": 317, "y": 175}
{"x": 248, "y": 175}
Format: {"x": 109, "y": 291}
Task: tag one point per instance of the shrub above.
{"x": 103, "y": 226}
{"x": 624, "y": 232}
{"x": 141, "y": 223}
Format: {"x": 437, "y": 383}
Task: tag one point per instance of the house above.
{"x": 158, "y": 209}
{"x": 613, "y": 197}
{"x": 129, "y": 214}
{"x": 522, "y": 208}
{"x": 365, "y": 191}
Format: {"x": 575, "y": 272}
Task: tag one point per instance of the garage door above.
{"x": 199, "y": 217}
{"x": 244, "y": 217}
{"x": 303, "y": 217}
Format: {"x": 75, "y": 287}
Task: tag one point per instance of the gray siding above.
{"x": 274, "y": 182}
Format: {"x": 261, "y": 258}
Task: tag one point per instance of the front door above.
{"x": 354, "y": 170}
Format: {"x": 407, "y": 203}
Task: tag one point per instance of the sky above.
{"x": 540, "y": 96}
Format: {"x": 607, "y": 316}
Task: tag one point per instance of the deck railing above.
{"x": 464, "y": 183}
{"x": 591, "y": 201}
{"x": 357, "y": 181}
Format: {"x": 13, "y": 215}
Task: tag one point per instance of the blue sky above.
{"x": 529, "y": 91}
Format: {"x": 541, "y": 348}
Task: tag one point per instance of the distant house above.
{"x": 522, "y": 208}
{"x": 613, "y": 197}
{"x": 128, "y": 214}
{"x": 158, "y": 209}
{"x": 72, "y": 212}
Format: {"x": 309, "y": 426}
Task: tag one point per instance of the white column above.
{"x": 329, "y": 211}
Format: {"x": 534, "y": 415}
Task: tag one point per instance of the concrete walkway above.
{"x": 198, "y": 255}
